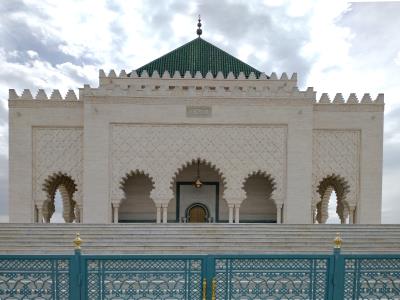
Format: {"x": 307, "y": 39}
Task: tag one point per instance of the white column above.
{"x": 115, "y": 212}
{"x": 278, "y": 213}
{"x": 165, "y": 212}
{"x": 80, "y": 206}
{"x": 40, "y": 212}
{"x": 237, "y": 207}
{"x": 351, "y": 214}
{"x": 158, "y": 215}
{"x": 78, "y": 213}
{"x": 313, "y": 217}
{"x": 230, "y": 206}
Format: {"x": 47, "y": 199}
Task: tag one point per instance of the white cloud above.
{"x": 397, "y": 59}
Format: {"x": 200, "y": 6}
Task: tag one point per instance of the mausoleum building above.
{"x": 195, "y": 136}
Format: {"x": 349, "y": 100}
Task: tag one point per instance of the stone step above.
{"x": 196, "y": 238}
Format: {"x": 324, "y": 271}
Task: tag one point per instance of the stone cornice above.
{"x": 347, "y": 107}
{"x": 44, "y": 103}
{"x": 198, "y": 101}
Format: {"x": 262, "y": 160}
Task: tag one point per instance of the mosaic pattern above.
{"x": 166, "y": 278}
{"x": 22, "y": 278}
{"x": 272, "y": 278}
{"x": 372, "y": 278}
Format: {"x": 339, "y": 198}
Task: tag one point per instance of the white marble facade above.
{"x": 118, "y": 152}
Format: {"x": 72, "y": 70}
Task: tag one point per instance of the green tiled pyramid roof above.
{"x": 198, "y": 55}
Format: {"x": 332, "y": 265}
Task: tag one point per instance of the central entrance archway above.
{"x": 197, "y": 213}
{"x": 187, "y": 193}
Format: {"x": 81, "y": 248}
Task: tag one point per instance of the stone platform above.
{"x": 197, "y": 238}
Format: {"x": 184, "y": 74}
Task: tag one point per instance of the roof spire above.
{"x": 199, "y": 31}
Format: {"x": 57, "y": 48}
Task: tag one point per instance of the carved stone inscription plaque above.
{"x": 198, "y": 111}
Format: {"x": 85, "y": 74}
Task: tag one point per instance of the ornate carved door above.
{"x": 197, "y": 214}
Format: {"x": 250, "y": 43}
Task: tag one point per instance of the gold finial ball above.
{"x": 78, "y": 241}
{"x": 338, "y": 241}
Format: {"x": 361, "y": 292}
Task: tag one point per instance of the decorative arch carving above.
{"x": 67, "y": 187}
{"x": 125, "y": 178}
{"x": 325, "y": 188}
{"x": 57, "y": 150}
{"x": 337, "y": 152}
{"x": 202, "y": 161}
{"x": 269, "y": 178}
{"x": 163, "y": 149}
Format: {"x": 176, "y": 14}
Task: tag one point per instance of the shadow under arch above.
{"x": 202, "y": 161}
{"x": 259, "y": 206}
{"x": 67, "y": 187}
{"x": 136, "y": 205}
{"x": 185, "y": 193}
{"x": 325, "y": 188}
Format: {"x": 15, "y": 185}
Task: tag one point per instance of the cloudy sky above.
{"x": 334, "y": 46}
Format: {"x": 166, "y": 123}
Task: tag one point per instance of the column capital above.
{"x": 39, "y": 203}
{"x": 234, "y": 201}
{"x": 116, "y": 202}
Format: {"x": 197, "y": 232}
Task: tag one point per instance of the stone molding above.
{"x": 57, "y": 150}
{"x": 235, "y": 151}
{"x": 337, "y": 153}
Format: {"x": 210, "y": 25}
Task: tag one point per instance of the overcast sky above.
{"x": 334, "y": 46}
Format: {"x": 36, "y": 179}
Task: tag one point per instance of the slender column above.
{"x": 230, "y": 206}
{"x": 40, "y": 213}
{"x": 158, "y": 216}
{"x": 165, "y": 212}
{"x": 278, "y": 213}
{"x": 78, "y": 213}
{"x": 313, "y": 216}
{"x": 115, "y": 211}
{"x": 80, "y": 206}
{"x": 237, "y": 207}
{"x": 351, "y": 214}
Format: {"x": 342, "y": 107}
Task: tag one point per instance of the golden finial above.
{"x": 337, "y": 241}
{"x": 78, "y": 241}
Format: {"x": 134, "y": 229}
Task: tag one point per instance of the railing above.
{"x": 218, "y": 277}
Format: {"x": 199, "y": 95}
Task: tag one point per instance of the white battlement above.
{"x": 186, "y": 85}
{"x": 187, "y": 75}
{"x": 41, "y": 95}
{"x": 352, "y": 99}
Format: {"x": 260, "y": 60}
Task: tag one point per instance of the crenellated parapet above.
{"x": 197, "y": 85}
{"x": 112, "y": 75}
{"x": 352, "y": 99}
{"x": 42, "y": 96}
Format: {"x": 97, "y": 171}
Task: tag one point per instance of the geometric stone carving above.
{"x": 57, "y": 151}
{"x": 234, "y": 150}
{"x": 336, "y": 153}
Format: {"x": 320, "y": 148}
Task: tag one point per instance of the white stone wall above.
{"x": 25, "y": 114}
{"x": 161, "y": 150}
{"x": 159, "y": 125}
{"x": 57, "y": 150}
